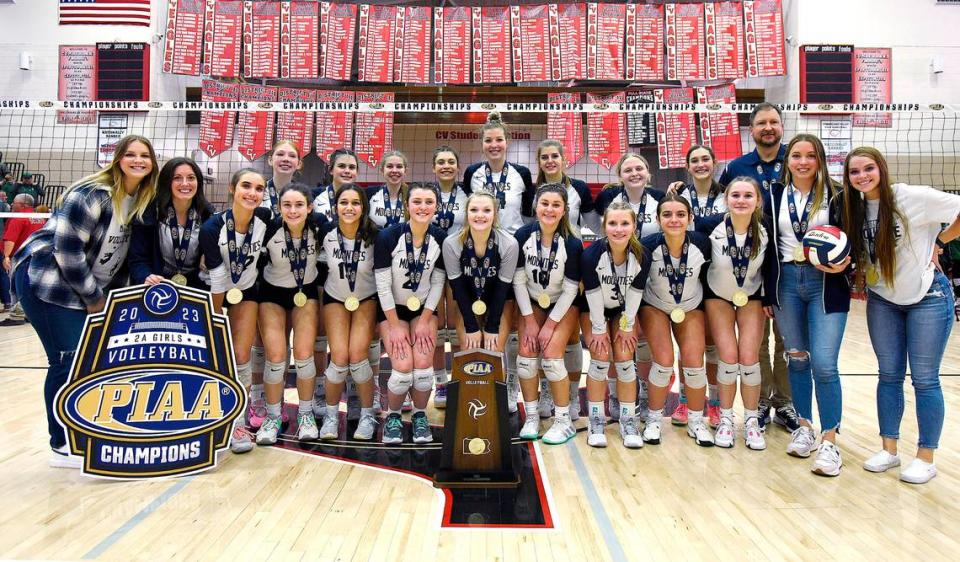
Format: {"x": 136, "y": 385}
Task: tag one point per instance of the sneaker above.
{"x": 630, "y": 434}
{"x": 11, "y": 321}
{"x": 330, "y": 428}
{"x": 764, "y": 415}
{"x": 393, "y": 430}
{"x": 613, "y": 406}
{"x": 828, "y": 461}
{"x": 545, "y": 404}
{"x": 268, "y": 432}
{"x": 881, "y": 462}
{"x": 802, "y": 442}
{"x": 753, "y": 435}
{"x": 366, "y": 428}
{"x": 61, "y": 458}
{"x": 440, "y": 397}
{"x": 700, "y": 433}
{"x": 680, "y": 415}
{"x": 531, "y": 428}
{"x": 513, "y": 393}
{"x": 307, "y": 427}
{"x": 786, "y": 416}
{"x": 713, "y": 415}
{"x": 651, "y": 431}
{"x": 725, "y": 435}
{"x": 596, "y": 436}
{"x": 421, "y": 428}
{"x": 407, "y": 404}
{"x": 256, "y": 413}
{"x": 918, "y": 472}
{"x": 241, "y": 441}
{"x": 559, "y": 433}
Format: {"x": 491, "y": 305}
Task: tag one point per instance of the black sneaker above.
{"x": 764, "y": 410}
{"x": 786, "y": 416}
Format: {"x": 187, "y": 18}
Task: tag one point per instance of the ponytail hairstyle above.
{"x": 478, "y": 194}
{"x": 633, "y": 245}
{"x": 165, "y": 186}
{"x": 564, "y": 227}
{"x": 494, "y": 121}
{"x": 425, "y": 186}
{"x": 237, "y": 176}
{"x": 402, "y": 196}
{"x": 624, "y": 158}
{"x": 368, "y": 230}
{"x": 823, "y": 187}
{"x": 757, "y": 216}
{"x": 541, "y": 177}
{"x": 715, "y": 187}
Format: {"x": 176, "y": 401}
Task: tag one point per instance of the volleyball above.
{"x": 825, "y": 245}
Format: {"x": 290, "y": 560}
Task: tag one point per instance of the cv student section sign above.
{"x": 152, "y": 390}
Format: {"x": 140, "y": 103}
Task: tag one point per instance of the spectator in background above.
{"x": 9, "y": 187}
{"x": 4, "y": 277}
{"x": 26, "y": 186}
{"x": 16, "y": 231}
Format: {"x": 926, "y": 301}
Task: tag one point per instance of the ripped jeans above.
{"x": 918, "y": 331}
{"x": 805, "y": 327}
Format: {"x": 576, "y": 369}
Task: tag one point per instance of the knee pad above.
{"x": 399, "y": 383}
{"x": 423, "y": 379}
{"x": 245, "y": 374}
{"x": 597, "y": 370}
{"x": 527, "y": 367}
{"x": 257, "y": 359}
{"x": 626, "y": 371}
{"x": 750, "y": 374}
{"x": 373, "y": 353}
{"x": 573, "y": 358}
{"x": 711, "y": 355}
{"x": 337, "y": 374}
{"x": 306, "y": 368}
{"x": 361, "y": 372}
{"x": 695, "y": 377}
{"x": 660, "y": 375}
{"x": 273, "y": 372}
{"x": 727, "y": 372}
{"x": 643, "y": 354}
{"x": 553, "y": 369}
{"x": 320, "y": 345}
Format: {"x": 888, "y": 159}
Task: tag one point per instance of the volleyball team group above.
{"x": 336, "y": 275}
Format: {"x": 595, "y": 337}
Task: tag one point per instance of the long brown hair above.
{"x": 541, "y": 177}
{"x": 757, "y": 214}
{"x": 368, "y": 230}
{"x": 715, "y": 187}
{"x": 633, "y": 245}
{"x": 824, "y": 188}
{"x": 564, "y": 227}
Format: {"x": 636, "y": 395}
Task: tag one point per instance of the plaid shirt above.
{"x": 63, "y": 251}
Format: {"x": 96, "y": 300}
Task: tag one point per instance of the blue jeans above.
{"x": 59, "y": 329}
{"x": 805, "y": 327}
{"x": 918, "y": 331}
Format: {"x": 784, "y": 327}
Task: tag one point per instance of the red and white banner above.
{"x": 531, "y": 43}
{"x": 685, "y": 59}
{"x": 644, "y": 42}
{"x": 412, "y": 54}
{"x": 334, "y": 128}
{"x": 376, "y": 48}
{"x": 217, "y": 127}
{"x": 451, "y": 45}
{"x": 77, "y": 72}
{"x": 676, "y": 132}
{"x": 374, "y": 134}
{"x": 726, "y": 57}
{"x": 184, "y": 37}
{"x": 605, "y": 30}
{"x": 105, "y": 12}
{"x": 872, "y": 84}
{"x": 261, "y": 39}
{"x": 566, "y": 127}
{"x": 255, "y": 130}
{"x": 573, "y": 41}
{"x": 296, "y": 126}
{"x": 491, "y": 45}
{"x": 763, "y": 29}
{"x": 336, "y": 39}
{"x": 299, "y": 30}
{"x": 720, "y": 131}
{"x": 606, "y": 131}
{"x": 222, "y": 22}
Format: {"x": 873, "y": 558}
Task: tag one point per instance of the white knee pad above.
{"x": 373, "y": 354}
{"x": 660, "y": 375}
{"x": 643, "y": 354}
{"x": 695, "y": 377}
{"x": 527, "y": 367}
{"x": 245, "y": 374}
{"x": 306, "y": 368}
{"x": 727, "y": 372}
{"x": 554, "y": 369}
{"x": 750, "y": 374}
{"x": 361, "y": 372}
{"x": 337, "y": 374}
{"x": 510, "y": 353}
{"x": 573, "y": 358}
{"x": 399, "y": 383}
{"x": 320, "y": 345}
{"x": 597, "y": 370}
{"x": 711, "y": 355}
{"x": 257, "y": 359}
{"x": 273, "y": 372}
{"x": 423, "y": 379}
{"x": 626, "y": 371}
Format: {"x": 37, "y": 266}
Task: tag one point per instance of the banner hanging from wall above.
{"x": 217, "y": 127}
{"x": 184, "y": 37}
{"x": 605, "y": 30}
{"x": 684, "y": 31}
{"x": 763, "y": 31}
{"x": 296, "y": 126}
{"x": 566, "y": 127}
{"x": 720, "y": 131}
{"x": 676, "y": 132}
{"x": 337, "y": 23}
{"x": 606, "y": 132}
{"x": 378, "y": 27}
{"x": 299, "y": 45}
{"x": 334, "y": 128}
{"x": 451, "y": 45}
{"x": 374, "y": 132}
{"x": 77, "y": 82}
{"x": 532, "y": 43}
{"x": 644, "y": 36}
{"x": 641, "y": 127}
{"x": 261, "y": 39}
{"x": 572, "y": 24}
{"x": 872, "y": 84}
{"x": 726, "y": 57}
{"x": 412, "y": 55}
{"x": 111, "y": 127}
{"x": 222, "y": 23}
{"x": 491, "y": 45}
{"x": 255, "y": 130}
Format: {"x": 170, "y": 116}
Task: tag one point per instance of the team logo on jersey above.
{"x": 152, "y": 390}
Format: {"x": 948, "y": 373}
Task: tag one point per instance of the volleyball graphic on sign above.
{"x": 825, "y": 245}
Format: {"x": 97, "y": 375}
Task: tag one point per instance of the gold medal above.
{"x": 479, "y": 307}
{"x": 624, "y": 322}
{"x": 352, "y": 303}
{"x": 476, "y": 446}
{"x": 543, "y": 300}
{"x": 300, "y": 299}
{"x": 234, "y": 296}
{"x": 179, "y": 279}
{"x": 413, "y": 304}
{"x": 740, "y": 298}
{"x": 798, "y": 254}
{"x": 873, "y": 276}
{"x": 678, "y": 315}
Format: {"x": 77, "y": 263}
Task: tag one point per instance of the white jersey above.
{"x": 645, "y": 209}
{"x": 657, "y": 293}
{"x": 603, "y": 280}
{"x": 337, "y": 285}
{"x": 394, "y": 269}
{"x": 452, "y": 210}
{"x": 216, "y": 252}
{"x": 537, "y": 274}
{"x": 787, "y": 239}
{"x": 720, "y": 276}
{"x": 323, "y": 203}
{"x": 703, "y": 206}
{"x": 384, "y": 211}
{"x": 515, "y": 196}
{"x": 277, "y": 269}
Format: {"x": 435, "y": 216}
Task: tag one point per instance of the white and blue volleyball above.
{"x": 825, "y": 245}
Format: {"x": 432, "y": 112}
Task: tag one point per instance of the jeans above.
{"x": 5, "y": 288}
{"x": 806, "y": 327}
{"x": 774, "y": 378}
{"x": 918, "y": 331}
{"x": 59, "y": 329}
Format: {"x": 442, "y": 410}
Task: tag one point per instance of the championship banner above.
{"x": 299, "y": 44}
{"x": 336, "y": 39}
{"x": 872, "y": 84}
{"x": 685, "y": 42}
{"x": 376, "y": 48}
{"x": 153, "y": 388}
{"x": 566, "y": 127}
{"x": 261, "y": 39}
{"x": 111, "y": 128}
{"x": 296, "y": 126}
{"x": 255, "y": 130}
{"x": 763, "y": 29}
{"x": 573, "y": 41}
{"x": 491, "y": 45}
{"x": 217, "y": 128}
{"x": 531, "y": 33}
{"x": 374, "y": 133}
{"x": 641, "y": 127}
{"x": 720, "y": 131}
{"x": 605, "y": 30}
{"x": 451, "y": 45}
{"x": 726, "y": 57}
{"x": 676, "y": 132}
{"x": 222, "y": 22}
{"x": 606, "y": 131}
{"x": 184, "y": 37}
{"x": 837, "y": 136}
{"x": 412, "y": 57}
{"x": 645, "y": 43}
{"x": 77, "y": 82}
{"x": 334, "y": 128}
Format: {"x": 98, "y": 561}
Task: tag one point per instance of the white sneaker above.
{"x": 597, "y": 437}
{"x": 241, "y": 440}
{"x": 918, "y": 472}
{"x": 753, "y": 435}
{"x": 306, "y": 427}
{"x": 651, "y": 432}
{"x": 531, "y": 428}
{"x": 366, "y": 428}
{"x": 330, "y": 428}
{"x": 559, "y": 433}
{"x": 268, "y": 432}
{"x": 725, "y": 435}
{"x": 698, "y": 430}
{"x": 61, "y": 458}
{"x": 802, "y": 442}
{"x": 828, "y": 461}
{"x": 545, "y": 403}
{"x": 881, "y": 462}
{"x": 630, "y": 434}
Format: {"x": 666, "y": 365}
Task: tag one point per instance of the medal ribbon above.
{"x": 695, "y": 202}
{"x": 351, "y": 263}
{"x": 480, "y": 270}
{"x": 392, "y": 216}
{"x": 297, "y": 258}
{"x": 499, "y": 188}
{"x": 799, "y": 224}
{"x": 416, "y": 266}
{"x": 739, "y": 256}
{"x": 677, "y": 276}
{"x": 237, "y": 254}
{"x": 180, "y": 245}
{"x": 642, "y": 211}
{"x": 444, "y": 216}
{"x": 545, "y": 269}
{"x": 274, "y": 198}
